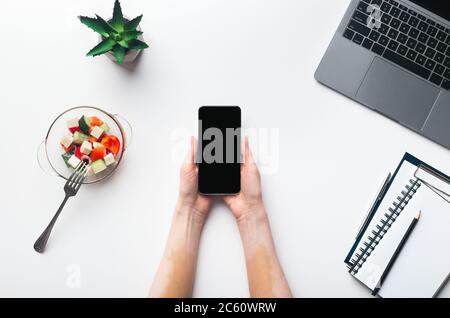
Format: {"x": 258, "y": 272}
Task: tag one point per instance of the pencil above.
{"x": 397, "y": 253}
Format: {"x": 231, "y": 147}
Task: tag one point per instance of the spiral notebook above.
{"x": 423, "y": 266}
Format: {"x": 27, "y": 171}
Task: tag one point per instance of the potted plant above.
{"x": 120, "y": 38}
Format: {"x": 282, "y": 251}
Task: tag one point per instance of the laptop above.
{"x": 393, "y": 56}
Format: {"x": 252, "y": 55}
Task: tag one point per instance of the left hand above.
{"x": 189, "y": 197}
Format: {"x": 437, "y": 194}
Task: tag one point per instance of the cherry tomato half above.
{"x": 111, "y": 143}
{"x": 98, "y": 153}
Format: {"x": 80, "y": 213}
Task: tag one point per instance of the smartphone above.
{"x": 219, "y": 150}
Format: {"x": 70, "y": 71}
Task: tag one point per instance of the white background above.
{"x": 259, "y": 54}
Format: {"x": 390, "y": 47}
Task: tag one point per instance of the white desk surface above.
{"x": 261, "y": 55}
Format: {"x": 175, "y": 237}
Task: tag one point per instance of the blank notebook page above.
{"x": 424, "y": 262}
{"x": 370, "y": 273}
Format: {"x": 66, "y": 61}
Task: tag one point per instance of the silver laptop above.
{"x": 393, "y": 56}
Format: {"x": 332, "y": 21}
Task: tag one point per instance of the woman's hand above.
{"x": 249, "y": 201}
{"x": 176, "y": 273}
{"x": 265, "y": 275}
{"x": 190, "y": 200}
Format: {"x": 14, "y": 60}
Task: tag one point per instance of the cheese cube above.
{"x": 97, "y": 132}
{"x": 89, "y": 171}
{"x": 67, "y": 140}
{"x": 86, "y": 147}
{"x": 73, "y": 161}
{"x": 97, "y": 145}
{"x": 109, "y": 159}
{"x": 72, "y": 123}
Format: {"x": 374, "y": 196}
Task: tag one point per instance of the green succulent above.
{"x": 118, "y": 35}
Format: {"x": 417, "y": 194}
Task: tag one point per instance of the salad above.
{"x": 87, "y": 140}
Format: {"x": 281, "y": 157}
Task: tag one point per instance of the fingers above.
{"x": 243, "y": 152}
{"x": 194, "y": 149}
{"x": 190, "y": 157}
{"x": 248, "y": 156}
{"x": 227, "y": 199}
{"x": 189, "y": 163}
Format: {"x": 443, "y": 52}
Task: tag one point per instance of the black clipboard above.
{"x": 379, "y": 198}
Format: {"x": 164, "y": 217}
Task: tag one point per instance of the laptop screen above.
{"x": 439, "y": 7}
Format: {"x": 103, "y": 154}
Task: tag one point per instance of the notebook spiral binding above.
{"x": 373, "y": 240}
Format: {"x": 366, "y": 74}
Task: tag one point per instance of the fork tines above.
{"x": 76, "y": 179}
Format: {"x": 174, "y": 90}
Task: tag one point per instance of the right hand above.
{"x": 249, "y": 201}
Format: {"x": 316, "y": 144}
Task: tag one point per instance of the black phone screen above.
{"x": 219, "y": 150}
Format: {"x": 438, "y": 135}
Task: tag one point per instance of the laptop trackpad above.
{"x": 397, "y": 93}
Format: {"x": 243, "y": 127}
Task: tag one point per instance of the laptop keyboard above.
{"x": 404, "y": 37}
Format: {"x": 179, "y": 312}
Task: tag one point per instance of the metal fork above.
{"x": 71, "y": 188}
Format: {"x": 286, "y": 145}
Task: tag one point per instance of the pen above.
{"x": 396, "y": 253}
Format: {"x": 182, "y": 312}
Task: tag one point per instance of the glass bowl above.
{"x": 50, "y": 151}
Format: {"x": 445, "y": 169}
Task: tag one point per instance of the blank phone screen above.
{"x": 219, "y": 149}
